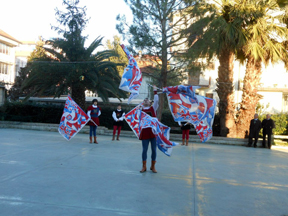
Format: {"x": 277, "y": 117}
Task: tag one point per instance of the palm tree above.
{"x": 215, "y": 33}
{"x": 242, "y": 28}
{"x": 87, "y": 71}
{"x": 70, "y": 67}
{"x": 265, "y": 33}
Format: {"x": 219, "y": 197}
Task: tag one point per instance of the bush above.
{"x": 281, "y": 123}
{"x": 47, "y": 113}
{"x": 31, "y": 112}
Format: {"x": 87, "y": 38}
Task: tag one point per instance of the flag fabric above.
{"x": 73, "y": 119}
{"x": 186, "y": 106}
{"x": 138, "y": 120}
{"x": 132, "y": 77}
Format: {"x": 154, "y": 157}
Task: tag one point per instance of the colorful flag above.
{"x": 138, "y": 120}
{"x": 132, "y": 77}
{"x": 72, "y": 120}
{"x": 186, "y": 106}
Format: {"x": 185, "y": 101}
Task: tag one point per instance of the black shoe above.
{"x": 248, "y": 146}
{"x": 255, "y": 146}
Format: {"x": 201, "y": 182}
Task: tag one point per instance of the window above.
{"x": 4, "y": 68}
{"x": 4, "y": 49}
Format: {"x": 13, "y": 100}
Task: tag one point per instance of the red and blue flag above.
{"x": 132, "y": 77}
{"x": 73, "y": 119}
{"x": 186, "y": 106}
{"x": 138, "y": 120}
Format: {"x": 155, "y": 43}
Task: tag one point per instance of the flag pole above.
{"x": 161, "y": 91}
{"x": 94, "y": 122}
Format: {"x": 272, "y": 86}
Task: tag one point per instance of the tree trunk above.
{"x": 250, "y": 98}
{"x": 164, "y": 59}
{"x": 226, "y": 95}
{"x": 78, "y": 95}
{"x": 161, "y": 96}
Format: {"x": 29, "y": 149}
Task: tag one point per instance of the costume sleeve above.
{"x": 99, "y": 113}
{"x": 156, "y": 101}
{"x": 89, "y": 111}
{"x": 114, "y": 116}
{"x": 122, "y": 117}
{"x": 179, "y": 123}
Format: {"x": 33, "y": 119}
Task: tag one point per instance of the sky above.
{"x": 26, "y": 20}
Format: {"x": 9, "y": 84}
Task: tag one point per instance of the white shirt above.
{"x": 89, "y": 111}
{"x": 115, "y": 118}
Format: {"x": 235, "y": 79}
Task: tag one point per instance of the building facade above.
{"x": 22, "y": 52}
{"x": 273, "y": 85}
{"x": 7, "y": 58}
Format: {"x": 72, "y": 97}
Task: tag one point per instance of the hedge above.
{"x": 45, "y": 113}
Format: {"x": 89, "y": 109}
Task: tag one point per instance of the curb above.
{"x": 105, "y": 131}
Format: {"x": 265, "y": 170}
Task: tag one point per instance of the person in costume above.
{"x": 185, "y": 127}
{"x": 94, "y": 111}
{"x": 118, "y": 117}
{"x": 147, "y": 135}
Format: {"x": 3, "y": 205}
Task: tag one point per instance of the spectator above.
{"x": 255, "y": 127}
{"x": 267, "y": 125}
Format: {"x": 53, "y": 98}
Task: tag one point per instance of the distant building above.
{"x": 7, "y": 58}
{"x": 146, "y": 64}
{"x": 22, "y": 52}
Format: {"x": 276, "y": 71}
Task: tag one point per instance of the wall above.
{"x": 273, "y": 84}
{"x": 274, "y": 99}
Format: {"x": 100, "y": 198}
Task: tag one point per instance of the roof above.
{"x": 147, "y": 63}
{"x": 4, "y": 34}
{"x": 29, "y": 42}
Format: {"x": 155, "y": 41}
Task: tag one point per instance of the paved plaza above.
{"x": 42, "y": 174}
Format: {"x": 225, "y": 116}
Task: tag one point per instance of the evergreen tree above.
{"x": 156, "y": 32}
{"x": 121, "y": 57}
{"x": 39, "y": 52}
{"x": 15, "y": 91}
{"x": 72, "y": 67}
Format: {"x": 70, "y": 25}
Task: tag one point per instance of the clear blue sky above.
{"x": 28, "y": 19}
